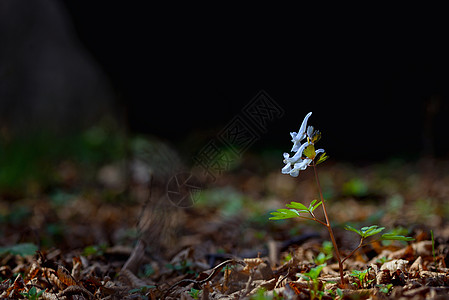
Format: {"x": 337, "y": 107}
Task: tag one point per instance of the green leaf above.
{"x": 323, "y": 157}
{"x": 142, "y": 289}
{"x": 367, "y": 231}
{"x": 368, "y": 228}
{"x": 313, "y": 273}
{"x": 288, "y": 211}
{"x": 309, "y": 152}
{"x": 359, "y": 274}
{"x": 321, "y": 258}
{"x": 283, "y": 213}
{"x": 340, "y": 293}
{"x": 297, "y": 205}
{"x": 316, "y": 206}
{"x": 350, "y": 228}
{"x": 392, "y": 236}
{"x": 312, "y": 203}
{"x": 371, "y": 230}
{"x": 24, "y": 249}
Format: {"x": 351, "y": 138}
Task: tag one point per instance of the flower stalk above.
{"x": 329, "y": 228}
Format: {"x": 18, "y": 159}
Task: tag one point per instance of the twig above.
{"x": 353, "y": 251}
{"x": 361, "y": 245}
{"x": 214, "y": 273}
{"x": 313, "y": 219}
{"x": 248, "y": 285}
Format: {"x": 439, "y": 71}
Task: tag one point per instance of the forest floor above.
{"x": 71, "y": 240}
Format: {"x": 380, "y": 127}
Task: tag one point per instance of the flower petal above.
{"x": 287, "y": 168}
{"x": 310, "y": 131}
{"x": 299, "y": 166}
{"x": 302, "y": 130}
{"x": 294, "y": 173}
{"x": 293, "y": 135}
{"x": 301, "y": 149}
{"x": 303, "y": 164}
{"x": 295, "y": 147}
{"x": 319, "y": 151}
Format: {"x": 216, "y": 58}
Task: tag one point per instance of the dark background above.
{"x": 184, "y": 76}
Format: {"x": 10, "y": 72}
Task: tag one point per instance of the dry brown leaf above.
{"x": 76, "y": 269}
{"x": 251, "y": 263}
{"x": 65, "y": 276}
{"x": 397, "y": 264}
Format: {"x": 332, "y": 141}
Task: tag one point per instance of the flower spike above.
{"x": 305, "y": 153}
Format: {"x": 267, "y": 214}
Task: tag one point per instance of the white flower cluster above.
{"x": 298, "y": 161}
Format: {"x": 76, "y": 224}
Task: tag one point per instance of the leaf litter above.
{"x": 73, "y": 243}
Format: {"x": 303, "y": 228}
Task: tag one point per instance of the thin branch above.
{"x": 313, "y": 219}
{"x": 361, "y": 245}
{"x": 353, "y": 251}
{"x": 215, "y": 271}
{"x": 321, "y": 222}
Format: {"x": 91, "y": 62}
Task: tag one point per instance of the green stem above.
{"x": 329, "y": 228}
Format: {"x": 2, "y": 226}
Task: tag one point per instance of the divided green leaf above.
{"x": 283, "y": 213}
{"x": 392, "y": 236}
{"x": 350, "y": 228}
{"x": 323, "y": 157}
{"x": 297, "y": 205}
{"x": 295, "y": 209}
{"x": 312, "y": 207}
{"x": 371, "y": 230}
{"x": 367, "y": 231}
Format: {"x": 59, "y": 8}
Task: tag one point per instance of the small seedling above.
{"x": 33, "y": 294}
{"x": 362, "y": 277}
{"x": 313, "y": 274}
{"x": 326, "y": 253}
{"x": 146, "y": 271}
{"x": 194, "y": 293}
{"x": 336, "y": 294}
{"x": 382, "y": 260}
{"x": 95, "y": 250}
{"x": 260, "y": 295}
{"x": 142, "y": 290}
{"x": 385, "y": 288}
{"x": 305, "y": 156}
{"x": 322, "y": 258}
{"x": 287, "y": 258}
{"x": 316, "y": 290}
